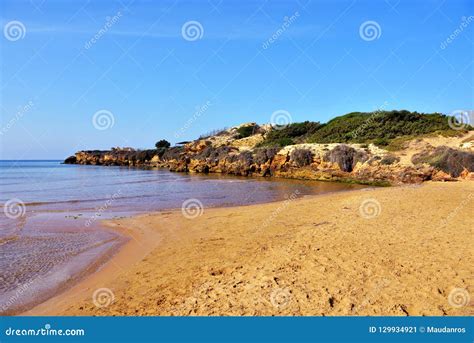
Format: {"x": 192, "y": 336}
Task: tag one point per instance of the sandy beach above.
{"x": 378, "y": 251}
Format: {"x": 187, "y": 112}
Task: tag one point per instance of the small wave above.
{"x": 78, "y": 201}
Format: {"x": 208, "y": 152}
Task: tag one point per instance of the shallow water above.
{"x": 50, "y": 224}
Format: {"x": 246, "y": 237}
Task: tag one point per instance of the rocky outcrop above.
{"x": 229, "y": 153}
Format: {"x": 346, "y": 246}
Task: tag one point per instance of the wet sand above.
{"x": 390, "y": 251}
{"x": 49, "y": 255}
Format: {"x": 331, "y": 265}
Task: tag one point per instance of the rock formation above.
{"x": 229, "y": 153}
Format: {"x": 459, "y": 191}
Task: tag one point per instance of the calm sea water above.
{"x": 50, "y": 231}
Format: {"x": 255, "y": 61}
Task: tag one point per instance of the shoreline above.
{"x": 205, "y": 266}
{"x": 129, "y": 251}
{"x": 110, "y": 225}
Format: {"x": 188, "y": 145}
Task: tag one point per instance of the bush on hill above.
{"x": 290, "y": 134}
{"x": 301, "y": 157}
{"x": 162, "y": 144}
{"x": 346, "y": 157}
{"x": 263, "y": 155}
{"x": 246, "y": 131}
{"x": 449, "y": 160}
{"x": 379, "y": 127}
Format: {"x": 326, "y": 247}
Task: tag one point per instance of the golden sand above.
{"x": 386, "y": 251}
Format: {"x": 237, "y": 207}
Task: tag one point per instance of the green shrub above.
{"x": 381, "y": 142}
{"x": 379, "y": 127}
{"x": 290, "y": 134}
{"x": 246, "y": 131}
{"x": 389, "y": 159}
{"x": 162, "y": 144}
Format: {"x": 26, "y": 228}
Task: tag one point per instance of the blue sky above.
{"x": 156, "y": 84}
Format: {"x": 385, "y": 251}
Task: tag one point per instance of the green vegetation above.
{"x": 389, "y": 159}
{"x": 291, "y": 134}
{"x": 388, "y": 129}
{"x": 380, "y": 127}
{"x": 162, "y": 144}
{"x": 246, "y": 131}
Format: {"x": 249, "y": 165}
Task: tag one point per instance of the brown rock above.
{"x": 441, "y": 176}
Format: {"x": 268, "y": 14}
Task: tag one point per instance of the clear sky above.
{"x": 240, "y": 61}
